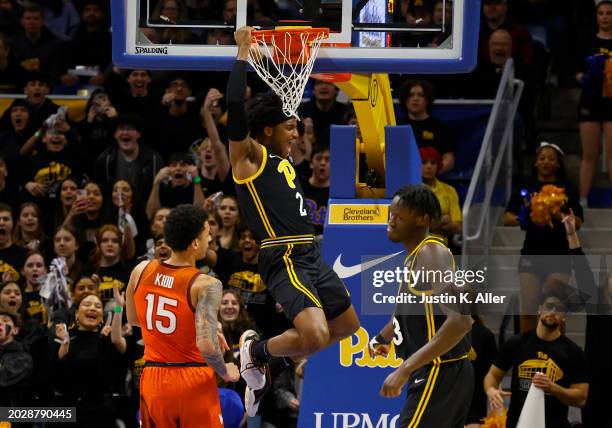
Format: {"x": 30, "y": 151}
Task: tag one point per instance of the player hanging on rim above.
{"x": 431, "y": 338}
{"x": 272, "y": 204}
{"x": 176, "y": 308}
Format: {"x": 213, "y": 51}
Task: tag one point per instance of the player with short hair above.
{"x": 273, "y": 206}
{"x": 430, "y": 337}
{"x": 176, "y": 307}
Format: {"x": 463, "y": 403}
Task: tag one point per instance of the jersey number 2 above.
{"x": 167, "y": 327}
{"x": 299, "y": 196}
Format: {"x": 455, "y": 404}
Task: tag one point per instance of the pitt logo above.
{"x": 164, "y": 280}
{"x": 349, "y": 348}
{"x": 286, "y": 168}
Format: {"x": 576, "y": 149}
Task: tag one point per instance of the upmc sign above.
{"x": 354, "y": 420}
{"x": 342, "y": 382}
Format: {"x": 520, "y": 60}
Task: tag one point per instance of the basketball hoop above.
{"x": 284, "y": 58}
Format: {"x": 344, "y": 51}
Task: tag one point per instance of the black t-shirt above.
{"x": 561, "y": 360}
{"x": 177, "y": 133}
{"x": 316, "y": 204}
{"x": 34, "y": 306}
{"x": 170, "y": 197}
{"x": 322, "y": 120}
{"x": 303, "y": 170}
{"x": 258, "y": 302}
{"x": 119, "y": 272}
{"x": 50, "y": 168}
{"x": 431, "y": 132}
{"x": 544, "y": 240}
{"x": 210, "y": 187}
{"x": 12, "y": 259}
{"x": 593, "y": 87}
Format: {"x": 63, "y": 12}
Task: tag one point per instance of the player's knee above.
{"x": 315, "y": 339}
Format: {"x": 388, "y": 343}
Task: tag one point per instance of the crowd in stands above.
{"x": 82, "y": 200}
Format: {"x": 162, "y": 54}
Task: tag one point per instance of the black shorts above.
{"x": 595, "y": 110}
{"x": 543, "y": 266}
{"x": 298, "y": 278}
{"x": 439, "y": 396}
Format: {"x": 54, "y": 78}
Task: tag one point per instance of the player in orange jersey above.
{"x": 176, "y": 308}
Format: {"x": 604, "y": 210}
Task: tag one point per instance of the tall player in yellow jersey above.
{"x": 272, "y": 204}
{"x": 432, "y": 338}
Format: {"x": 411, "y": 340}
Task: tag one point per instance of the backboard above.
{"x": 366, "y": 36}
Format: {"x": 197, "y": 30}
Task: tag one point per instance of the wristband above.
{"x": 118, "y": 309}
{"x": 197, "y": 180}
{"x": 39, "y": 134}
{"x": 381, "y": 339}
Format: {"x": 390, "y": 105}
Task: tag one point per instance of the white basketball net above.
{"x": 272, "y": 60}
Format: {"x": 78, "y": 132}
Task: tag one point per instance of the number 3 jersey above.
{"x": 416, "y": 323}
{"x": 272, "y": 202}
{"x": 165, "y": 313}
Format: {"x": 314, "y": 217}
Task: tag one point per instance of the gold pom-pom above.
{"x": 546, "y": 204}
{"x": 495, "y": 419}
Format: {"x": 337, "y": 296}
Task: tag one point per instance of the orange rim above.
{"x": 332, "y": 77}
{"x": 294, "y": 49}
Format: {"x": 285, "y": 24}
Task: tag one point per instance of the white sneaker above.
{"x": 253, "y": 374}
{"x": 252, "y": 398}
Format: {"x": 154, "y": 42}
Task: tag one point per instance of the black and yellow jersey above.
{"x": 415, "y": 324}
{"x": 272, "y": 202}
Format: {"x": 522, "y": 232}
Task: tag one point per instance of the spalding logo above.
{"x": 152, "y": 50}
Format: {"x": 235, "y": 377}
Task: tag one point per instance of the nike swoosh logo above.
{"x": 348, "y": 271}
{"x": 417, "y": 381}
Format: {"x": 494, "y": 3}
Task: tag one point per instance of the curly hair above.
{"x": 264, "y": 110}
{"x": 420, "y": 199}
{"x": 183, "y": 225}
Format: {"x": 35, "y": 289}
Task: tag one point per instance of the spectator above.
{"x": 7, "y": 195}
{"x": 18, "y": 131}
{"x": 12, "y": 256}
{"x": 128, "y": 160}
{"x": 538, "y": 266}
{"x": 240, "y": 271}
{"x": 65, "y": 205}
{"x": 93, "y": 30}
{"x": 9, "y": 17}
{"x": 285, "y": 393}
{"x": 28, "y": 231}
{"x": 11, "y": 298}
{"x": 15, "y": 363}
{"x": 9, "y": 73}
{"x": 417, "y": 98}
{"x": 56, "y": 161}
{"x": 110, "y": 261}
{"x": 130, "y": 218}
{"x": 545, "y": 358}
{"x": 595, "y": 109}
{"x": 33, "y": 272}
{"x": 36, "y": 48}
{"x": 301, "y": 148}
{"x": 83, "y": 363}
{"x": 483, "y": 344}
{"x": 97, "y": 128}
{"x": 83, "y": 286}
{"x": 452, "y": 218}
{"x": 324, "y": 109}
{"x": 60, "y": 16}
{"x": 234, "y": 319}
{"x": 36, "y": 89}
{"x": 214, "y": 162}
{"x": 178, "y": 183}
{"x": 90, "y": 216}
{"x": 65, "y": 245}
{"x": 179, "y": 122}
{"x": 316, "y": 188}
{"x": 175, "y": 12}
{"x": 156, "y": 231}
{"x": 230, "y": 8}
{"x": 496, "y": 17}
{"x": 131, "y": 93}
{"x": 230, "y": 218}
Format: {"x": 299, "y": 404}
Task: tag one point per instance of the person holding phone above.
{"x": 178, "y": 183}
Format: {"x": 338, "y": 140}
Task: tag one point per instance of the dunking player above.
{"x": 272, "y": 204}
{"x": 176, "y": 308}
{"x": 430, "y": 337}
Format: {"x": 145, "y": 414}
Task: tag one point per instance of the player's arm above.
{"x": 130, "y": 307}
{"x": 576, "y": 395}
{"x": 245, "y": 154}
{"x": 381, "y": 343}
{"x": 435, "y": 258}
{"x": 491, "y": 384}
{"x": 209, "y": 291}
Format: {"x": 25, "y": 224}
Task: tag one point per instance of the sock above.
{"x": 259, "y": 352}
